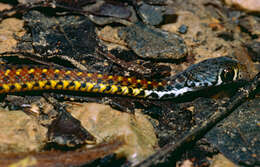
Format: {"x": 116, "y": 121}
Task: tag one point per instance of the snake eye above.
{"x": 227, "y": 75}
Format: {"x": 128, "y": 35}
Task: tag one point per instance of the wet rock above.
{"x": 79, "y": 4}
{"x": 55, "y": 35}
{"x": 105, "y": 12}
{"x": 183, "y": 29}
{"x": 102, "y": 8}
{"x": 250, "y": 24}
{"x": 170, "y": 120}
{"x": 247, "y": 5}
{"x": 110, "y": 34}
{"x": 220, "y": 161}
{"x": 154, "y": 13}
{"x": 152, "y": 43}
{"x": 66, "y": 40}
{"x": 20, "y": 132}
{"x": 151, "y": 15}
{"x": 237, "y": 137}
{"x": 99, "y": 20}
{"x": 157, "y": 2}
{"x": 8, "y": 29}
{"x": 66, "y": 130}
{"x": 4, "y": 6}
{"x": 63, "y": 129}
{"x": 254, "y": 50}
{"x": 106, "y": 123}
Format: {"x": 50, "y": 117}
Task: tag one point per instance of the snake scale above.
{"x": 208, "y": 73}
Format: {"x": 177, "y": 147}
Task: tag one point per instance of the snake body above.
{"x": 208, "y": 73}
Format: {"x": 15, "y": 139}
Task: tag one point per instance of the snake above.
{"x": 205, "y": 74}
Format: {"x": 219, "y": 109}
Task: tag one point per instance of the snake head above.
{"x": 208, "y": 73}
{"x": 211, "y": 72}
{"x": 215, "y": 72}
{"x": 231, "y": 71}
